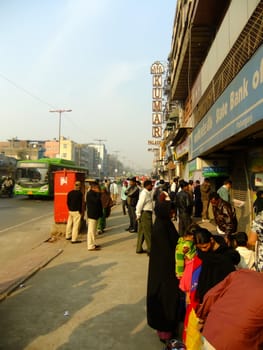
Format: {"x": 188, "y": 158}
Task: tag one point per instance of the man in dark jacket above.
{"x": 74, "y": 203}
{"x": 184, "y": 206}
{"x": 132, "y": 193}
{"x": 94, "y": 211}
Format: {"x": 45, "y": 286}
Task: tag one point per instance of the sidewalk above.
{"x": 80, "y": 300}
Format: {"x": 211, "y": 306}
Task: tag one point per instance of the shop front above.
{"x": 232, "y": 131}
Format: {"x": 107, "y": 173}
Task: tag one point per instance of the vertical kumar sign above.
{"x": 157, "y": 71}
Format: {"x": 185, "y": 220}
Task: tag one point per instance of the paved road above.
{"x": 24, "y": 225}
{"x": 20, "y": 209}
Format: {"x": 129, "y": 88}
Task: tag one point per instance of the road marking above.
{"x": 26, "y": 222}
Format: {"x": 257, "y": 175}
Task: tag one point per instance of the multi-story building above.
{"x": 51, "y": 148}
{"x": 70, "y": 150}
{"x": 67, "y": 149}
{"x": 82, "y": 155}
{"x": 100, "y": 167}
{"x": 214, "y": 124}
{"x": 22, "y": 149}
{"x": 88, "y": 155}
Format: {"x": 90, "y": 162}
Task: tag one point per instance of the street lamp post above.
{"x": 60, "y": 111}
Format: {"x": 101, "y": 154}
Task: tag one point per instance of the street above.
{"x": 24, "y": 224}
{"x": 14, "y": 211}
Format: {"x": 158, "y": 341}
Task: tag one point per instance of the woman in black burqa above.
{"x": 163, "y": 292}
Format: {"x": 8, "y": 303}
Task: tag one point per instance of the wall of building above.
{"x": 226, "y": 137}
{"x": 234, "y": 21}
{"x": 52, "y": 148}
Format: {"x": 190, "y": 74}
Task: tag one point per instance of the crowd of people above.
{"x": 192, "y": 272}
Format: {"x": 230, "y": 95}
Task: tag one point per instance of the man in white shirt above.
{"x": 224, "y": 191}
{"x": 114, "y": 191}
{"x": 144, "y": 210}
{"x": 174, "y": 188}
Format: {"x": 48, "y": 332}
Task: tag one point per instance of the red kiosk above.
{"x": 64, "y": 181}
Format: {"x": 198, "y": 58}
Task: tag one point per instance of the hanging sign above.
{"x": 157, "y": 71}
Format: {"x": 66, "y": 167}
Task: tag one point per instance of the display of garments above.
{"x": 257, "y": 227}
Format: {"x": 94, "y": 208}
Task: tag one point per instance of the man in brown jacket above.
{"x": 224, "y": 214}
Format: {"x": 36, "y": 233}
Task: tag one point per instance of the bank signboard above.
{"x": 215, "y": 171}
{"x": 240, "y": 106}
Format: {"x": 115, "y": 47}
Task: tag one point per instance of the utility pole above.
{"x": 60, "y": 111}
{"x": 100, "y": 140}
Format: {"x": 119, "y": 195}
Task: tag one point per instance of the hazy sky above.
{"x": 93, "y": 57}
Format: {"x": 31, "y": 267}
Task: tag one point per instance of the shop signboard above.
{"x": 214, "y": 171}
{"x": 259, "y": 180}
{"x": 183, "y": 148}
{"x": 239, "y": 107}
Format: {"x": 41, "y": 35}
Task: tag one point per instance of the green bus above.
{"x": 36, "y": 177}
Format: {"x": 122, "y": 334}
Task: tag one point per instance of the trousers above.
{"x": 73, "y": 224}
{"x": 132, "y": 216}
{"x": 92, "y": 229}
{"x": 145, "y": 231}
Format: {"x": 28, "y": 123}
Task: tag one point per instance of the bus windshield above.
{"x": 32, "y": 174}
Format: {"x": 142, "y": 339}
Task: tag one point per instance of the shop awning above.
{"x": 180, "y": 135}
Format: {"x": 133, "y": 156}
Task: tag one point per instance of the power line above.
{"x": 100, "y": 140}
{"x": 26, "y": 91}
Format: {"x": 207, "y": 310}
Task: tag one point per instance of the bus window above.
{"x": 32, "y": 174}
